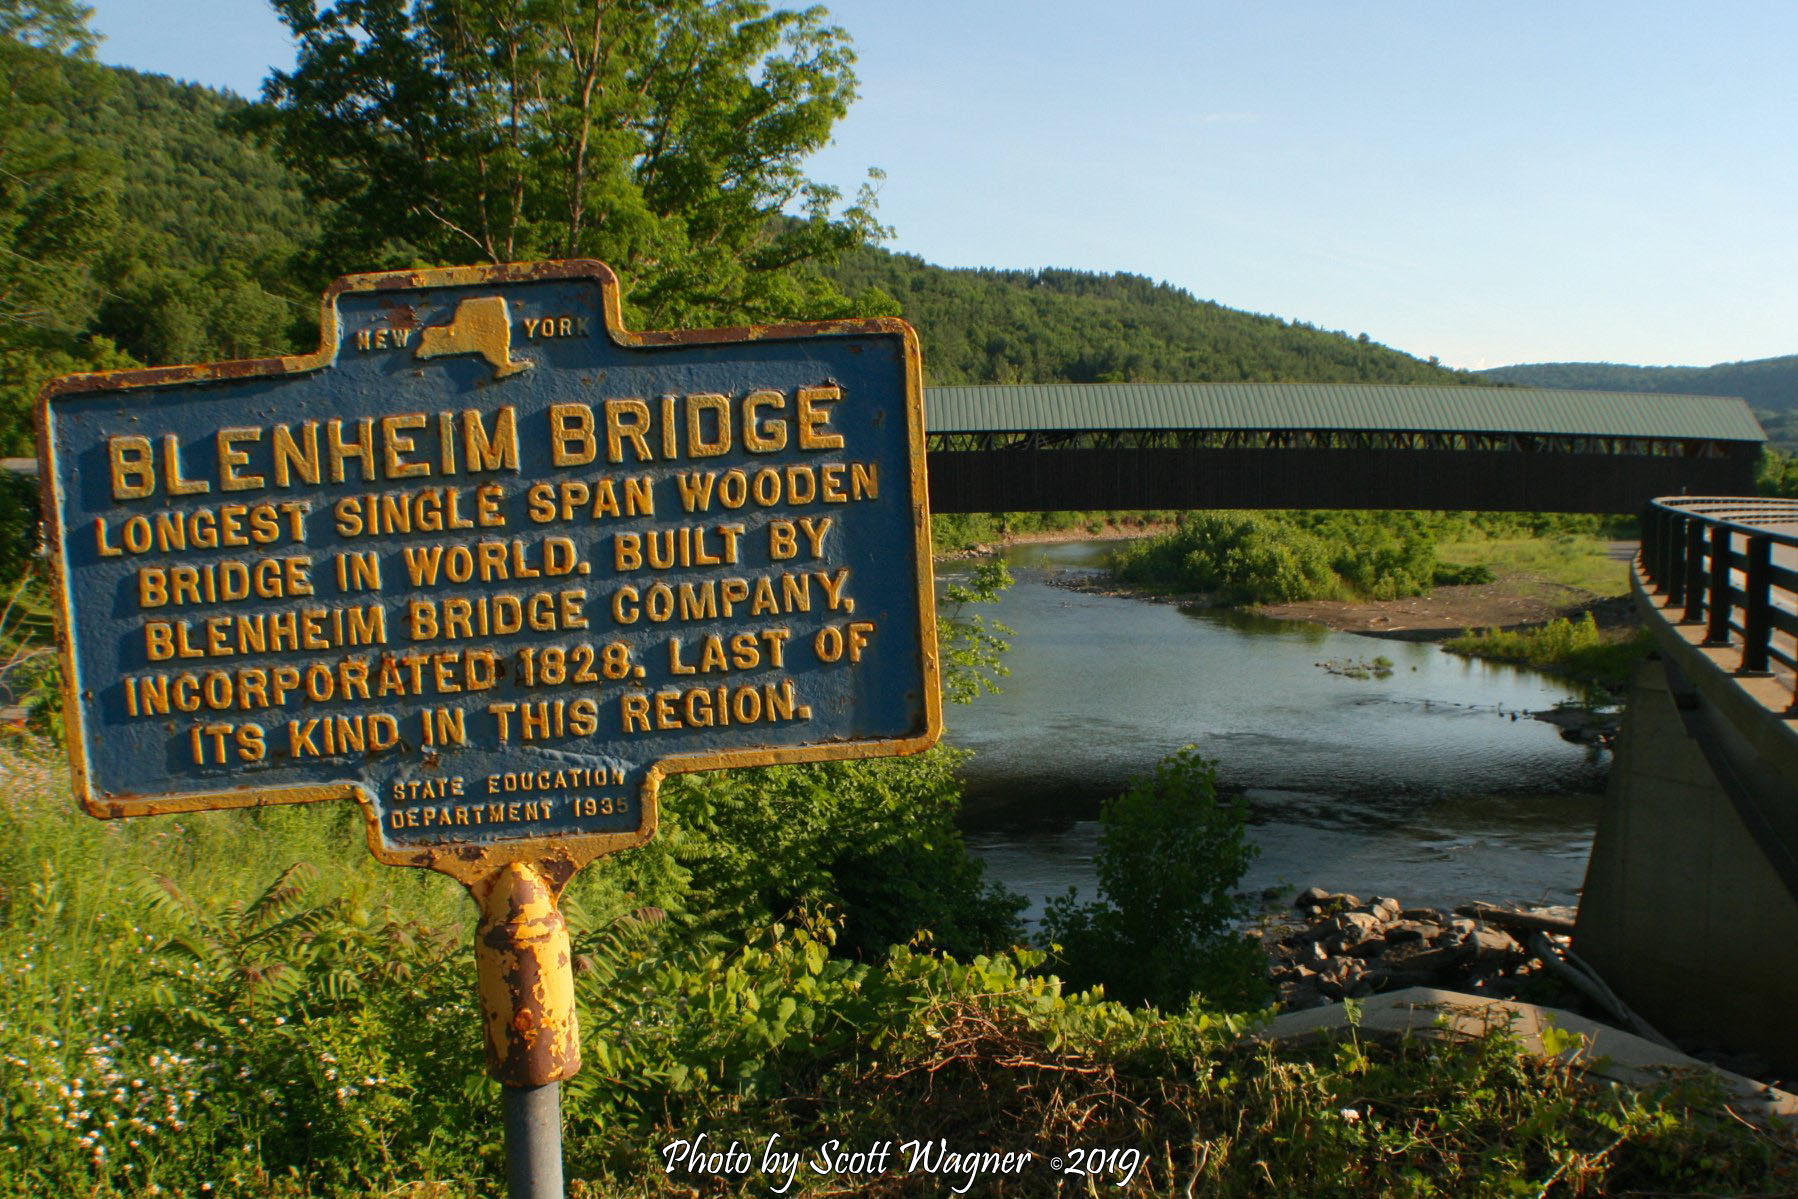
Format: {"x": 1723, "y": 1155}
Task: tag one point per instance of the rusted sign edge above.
{"x": 558, "y": 857}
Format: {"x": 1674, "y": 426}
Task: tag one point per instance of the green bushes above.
{"x": 1278, "y": 557}
{"x": 1170, "y": 856}
{"x": 1237, "y": 556}
{"x": 1777, "y": 473}
{"x": 1284, "y": 556}
{"x": 874, "y": 841}
{"x": 1572, "y": 647}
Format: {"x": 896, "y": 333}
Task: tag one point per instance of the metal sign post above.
{"x": 492, "y": 566}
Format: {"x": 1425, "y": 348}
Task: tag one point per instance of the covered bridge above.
{"x": 1042, "y": 447}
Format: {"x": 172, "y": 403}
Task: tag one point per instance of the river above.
{"x": 1427, "y": 785}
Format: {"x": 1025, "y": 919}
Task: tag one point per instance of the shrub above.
{"x": 1171, "y": 854}
{"x": 1238, "y": 557}
{"x": 1573, "y": 647}
{"x": 872, "y": 840}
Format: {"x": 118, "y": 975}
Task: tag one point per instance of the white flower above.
{"x": 1350, "y": 1114}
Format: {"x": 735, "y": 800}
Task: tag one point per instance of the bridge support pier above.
{"x": 1690, "y": 908}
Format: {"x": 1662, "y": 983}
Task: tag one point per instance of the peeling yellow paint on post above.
{"x": 524, "y": 965}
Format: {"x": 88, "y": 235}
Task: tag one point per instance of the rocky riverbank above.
{"x": 1330, "y": 946}
{"x": 1334, "y": 946}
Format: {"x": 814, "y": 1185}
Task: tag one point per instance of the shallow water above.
{"x": 1427, "y": 785}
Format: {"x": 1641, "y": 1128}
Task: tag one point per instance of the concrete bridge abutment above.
{"x": 1690, "y": 908}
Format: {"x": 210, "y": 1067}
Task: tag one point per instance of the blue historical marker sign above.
{"x": 490, "y": 564}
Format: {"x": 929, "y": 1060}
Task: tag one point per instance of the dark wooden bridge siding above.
{"x": 1020, "y": 479}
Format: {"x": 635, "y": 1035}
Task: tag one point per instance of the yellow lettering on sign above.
{"x": 812, "y": 419}
{"x": 248, "y": 458}
{"x": 491, "y": 561}
{"x": 226, "y": 744}
{"x": 543, "y": 720}
{"x": 684, "y": 546}
{"x": 711, "y": 707}
{"x": 465, "y": 618}
{"x": 227, "y": 526}
{"x": 783, "y": 593}
{"x": 289, "y": 631}
{"x": 396, "y": 442}
{"x": 232, "y": 460}
{"x": 571, "y": 436}
{"x": 701, "y": 424}
{"x": 223, "y": 582}
{"x": 133, "y": 467}
{"x": 768, "y": 487}
{"x": 431, "y": 510}
{"x": 249, "y": 688}
{"x": 716, "y": 653}
{"x": 784, "y": 535}
{"x": 603, "y": 497}
{"x": 334, "y": 736}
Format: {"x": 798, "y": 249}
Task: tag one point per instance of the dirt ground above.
{"x": 1448, "y": 611}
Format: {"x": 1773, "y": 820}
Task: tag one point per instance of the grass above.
{"x": 1576, "y": 648}
{"x": 1571, "y": 561}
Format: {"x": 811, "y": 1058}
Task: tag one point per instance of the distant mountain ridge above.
{"x": 1768, "y": 384}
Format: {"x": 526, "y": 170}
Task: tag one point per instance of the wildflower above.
{"x": 1350, "y": 1115}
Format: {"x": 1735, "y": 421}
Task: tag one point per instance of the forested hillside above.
{"x": 169, "y": 236}
{"x": 208, "y": 225}
{"x": 1063, "y": 326}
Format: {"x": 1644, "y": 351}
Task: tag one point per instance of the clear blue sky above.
{"x": 1489, "y": 183}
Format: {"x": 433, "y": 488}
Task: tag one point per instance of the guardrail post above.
{"x": 1651, "y": 542}
{"x": 1694, "y": 571}
{"x": 1718, "y": 606}
{"x": 1757, "y": 609}
{"x": 1673, "y": 567}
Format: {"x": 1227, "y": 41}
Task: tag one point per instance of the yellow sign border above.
{"x": 558, "y": 857}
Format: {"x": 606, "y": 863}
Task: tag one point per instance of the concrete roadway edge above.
{"x": 1607, "y": 1052}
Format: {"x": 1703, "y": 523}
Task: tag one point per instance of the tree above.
{"x": 57, "y": 208}
{"x": 662, "y": 136}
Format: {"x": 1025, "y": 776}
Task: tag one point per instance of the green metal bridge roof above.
{"x": 1386, "y": 407}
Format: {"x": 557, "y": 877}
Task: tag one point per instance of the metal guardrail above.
{"x": 1713, "y": 556}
